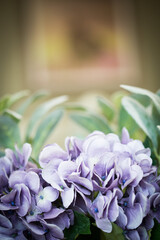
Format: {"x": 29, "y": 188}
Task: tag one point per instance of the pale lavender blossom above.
{"x": 18, "y": 158}
{"x": 110, "y": 179}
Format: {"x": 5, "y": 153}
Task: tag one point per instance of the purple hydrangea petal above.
{"x": 121, "y": 219}
{"x": 32, "y": 181}
{"x": 24, "y": 207}
{"x": 67, "y": 197}
{"x": 26, "y": 152}
{"x": 44, "y": 205}
{"x": 144, "y": 202}
{"x": 55, "y": 212}
{"x": 134, "y": 216}
{"x": 95, "y": 144}
{"x": 5, "y": 222}
{"x": 113, "y": 210}
{"x": 104, "y": 224}
{"x": 51, "y": 176}
{"x": 66, "y": 168}
{"x": 50, "y": 193}
{"x": 125, "y": 136}
{"x": 16, "y": 177}
{"x": 133, "y": 235}
{"x": 80, "y": 181}
{"x": 5, "y": 166}
{"x": 51, "y": 152}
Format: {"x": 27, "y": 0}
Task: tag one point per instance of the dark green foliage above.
{"x": 81, "y": 226}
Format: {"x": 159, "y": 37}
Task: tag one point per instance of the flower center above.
{"x": 125, "y": 204}
{"x": 31, "y": 213}
{"x": 41, "y": 197}
{"x": 123, "y": 181}
{"x": 103, "y": 177}
{"x": 46, "y": 231}
{"x": 62, "y": 187}
{"x": 96, "y": 210}
{"x": 12, "y": 203}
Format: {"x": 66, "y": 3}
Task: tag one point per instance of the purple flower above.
{"x": 11, "y": 228}
{"x": 155, "y": 206}
{"x": 5, "y": 171}
{"x": 73, "y": 146}
{"x": 45, "y": 198}
{"x": 134, "y": 208}
{"x": 19, "y": 159}
{"x": 105, "y": 209}
{"x": 52, "y": 152}
{"x": 50, "y": 225}
{"x": 30, "y": 179}
{"x": 53, "y": 177}
{"x": 18, "y": 199}
{"x": 139, "y": 234}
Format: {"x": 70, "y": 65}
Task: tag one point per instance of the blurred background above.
{"x": 71, "y": 47}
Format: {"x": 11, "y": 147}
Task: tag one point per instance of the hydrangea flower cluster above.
{"x": 112, "y": 180}
{"x": 27, "y": 202}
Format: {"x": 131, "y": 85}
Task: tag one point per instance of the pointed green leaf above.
{"x": 142, "y": 118}
{"x": 17, "y": 96}
{"x": 37, "y": 95}
{"x": 4, "y": 102}
{"x": 155, "y": 233}
{"x": 74, "y": 107}
{"x": 125, "y": 120}
{"x": 9, "y": 132}
{"x": 91, "y": 122}
{"x": 41, "y": 111}
{"x": 116, "y": 98}
{"x": 106, "y": 108}
{"x": 45, "y": 129}
{"x": 158, "y": 92}
{"x": 16, "y": 116}
{"x": 81, "y": 226}
{"x": 155, "y": 98}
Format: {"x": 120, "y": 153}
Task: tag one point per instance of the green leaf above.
{"x": 45, "y": 129}
{"x": 41, "y": 111}
{"x": 8, "y": 100}
{"x": 125, "y": 120}
{"x": 158, "y": 92}
{"x": 106, "y": 108}
{"x": 142, "y": 118}
{"x": 16, "y": 116}
{"x": 91, "y": 122}
{"x": 17, "y": 96}
{"x": 74, "y": 107}
{"x": 142, "y": 99}
{"x": 9, "y": 132}
{"x": 81, "y": 226}
{"x": 155, "y": 233}
{"x": 155, "y": 98}
{"x": 116, "y": 98}
{"x": 117, "y": 233}
{"x": 4, "y": 102}
{"x": 37, "y": 95}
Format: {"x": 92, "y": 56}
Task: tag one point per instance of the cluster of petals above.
{"x": 110, "y": 179}
{"x": 27, "y": 202}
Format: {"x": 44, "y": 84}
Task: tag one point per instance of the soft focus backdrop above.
{"x": 70, "y": 47}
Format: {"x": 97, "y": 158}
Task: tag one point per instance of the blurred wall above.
{"x": 28, "y": 29}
